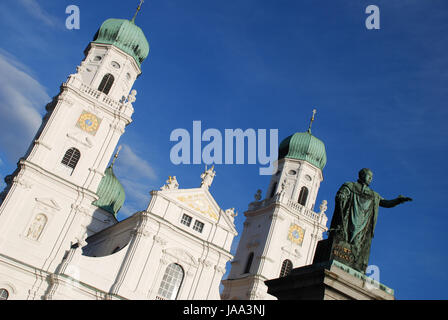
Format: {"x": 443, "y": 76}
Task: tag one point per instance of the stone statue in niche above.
{"x": 36, "y": 227}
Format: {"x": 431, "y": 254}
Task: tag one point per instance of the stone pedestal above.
{"x": 328, "y": 281}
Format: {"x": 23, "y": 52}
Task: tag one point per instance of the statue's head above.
{"x": 365, "y": 176}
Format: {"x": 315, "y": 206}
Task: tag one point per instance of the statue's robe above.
{"x": 354, "y": 220}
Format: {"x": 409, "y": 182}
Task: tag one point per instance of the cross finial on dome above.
{"x": 116, "y": 156}
{"x": 138, "y": 9}
{"x": 312, "y": 119}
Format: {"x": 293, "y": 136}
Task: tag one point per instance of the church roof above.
{"x": 304, "y": 146}
{"x": 125, "y": 35}
{"x": 111, "y": 193}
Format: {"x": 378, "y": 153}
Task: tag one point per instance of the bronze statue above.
{"x": 353, "y": 223}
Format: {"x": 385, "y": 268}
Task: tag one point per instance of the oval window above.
{"x": 292, "y": 172}
{"x": 4, "y": 294}
{"x": 97, "y": 58}
{"x": 115, "y": 64}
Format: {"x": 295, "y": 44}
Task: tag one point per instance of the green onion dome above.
{"x": 111, "y": 193}
{"x": 125, "y": 35}
{"x": 304, "y": 146}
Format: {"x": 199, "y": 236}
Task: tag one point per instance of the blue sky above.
{"x": 380, "y": 94}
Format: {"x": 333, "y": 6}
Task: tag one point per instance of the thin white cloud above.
{"x": 137, "y": 192}
{"x": 125, "y": 212}
{"x": 137, "y": 177}
{"x": 35, "y": 10}
{"x": 16, "y": 63}
{"x": 133, "y": 166}
{"x": 21, "y": 98}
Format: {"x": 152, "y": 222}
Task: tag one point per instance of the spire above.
{"x": 138, "y": 9}
{"x": 312, "y": 120}
{"x": 115, "y": 156}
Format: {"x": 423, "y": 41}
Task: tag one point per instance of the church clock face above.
{"x": 89, "y": 122}
{"x": 295, "y": 234}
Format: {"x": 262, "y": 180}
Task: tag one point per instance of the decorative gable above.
{"x": 199, "y": 203}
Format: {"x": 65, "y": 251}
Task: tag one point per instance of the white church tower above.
{"x": 53, "y": 199}
{"x": 281, "y": 232}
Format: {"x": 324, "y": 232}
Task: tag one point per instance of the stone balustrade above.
{"x": 101, "y": 97}
{"x": 293, "y": 206}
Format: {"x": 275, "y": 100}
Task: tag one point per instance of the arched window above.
{"x": 171, "y": 282}
{"x": 4, "y": 294}
{"x": 71, "y": 158}
{"x": 273, "y": 189}
{"x": 286, "y": 268}
{"x": 303, "y": 195}
{"x": 106, "y": 83}
{"x": 249, "y": 262}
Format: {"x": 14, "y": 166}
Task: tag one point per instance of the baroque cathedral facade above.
{"x": 59, "y": 235}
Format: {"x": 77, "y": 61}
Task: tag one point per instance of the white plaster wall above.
{"x": 108, "y": 53}
{"x": 266, "y": 233}
{"x": 16, "y": 279}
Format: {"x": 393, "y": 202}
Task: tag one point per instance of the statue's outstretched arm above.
{"x": 392, "y": 203}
